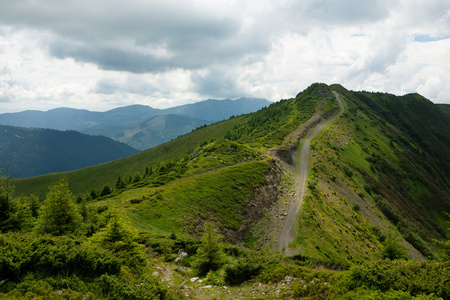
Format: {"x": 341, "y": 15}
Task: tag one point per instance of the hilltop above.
{"x": 376, "y": 193}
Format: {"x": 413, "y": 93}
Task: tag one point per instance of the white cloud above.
{"x": 101, "y": 54}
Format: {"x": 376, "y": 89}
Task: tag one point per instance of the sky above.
{"x": 102, "y": 54}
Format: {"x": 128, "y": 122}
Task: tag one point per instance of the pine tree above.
{"x": 209, "y": 255}
{"x": 59, "y": 214}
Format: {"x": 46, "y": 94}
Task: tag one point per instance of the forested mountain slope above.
{"x": 31, "y": 152}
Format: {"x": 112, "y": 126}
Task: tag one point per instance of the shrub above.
{"x": 348, "y": 172}
{"x": 240, "y": 272}
{"x": 115, "y": 287}
{"x": 414, "y": 277}
{"x": 106, "y": 190}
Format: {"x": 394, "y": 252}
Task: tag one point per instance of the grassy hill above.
{"x": 378, "y": 188}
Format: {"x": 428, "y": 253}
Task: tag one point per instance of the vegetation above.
{"x": 372, "y": 226}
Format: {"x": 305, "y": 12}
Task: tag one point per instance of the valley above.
{"x": 310, "y": 197}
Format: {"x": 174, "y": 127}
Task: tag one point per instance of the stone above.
{"x": 194, "y": 279}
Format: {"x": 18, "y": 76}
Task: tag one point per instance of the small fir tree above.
{"x": 209, "y": 255}
{"x": 59, "y": 214}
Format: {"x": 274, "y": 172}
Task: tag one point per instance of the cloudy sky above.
{"x": 102, "y": 54}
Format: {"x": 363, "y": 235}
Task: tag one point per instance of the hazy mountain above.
{"x": 31, "y": 152}
{"x": 153, "y": 132}
{"x": 218, "y": 110}
{"x": 134, "y": 125}
{"x": 84, "y": 120}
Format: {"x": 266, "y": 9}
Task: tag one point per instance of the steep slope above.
{"x": 31, "y": 152}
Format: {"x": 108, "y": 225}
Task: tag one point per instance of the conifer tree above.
{"x": 209, "y": 255}
{"x": 59, "y": 214}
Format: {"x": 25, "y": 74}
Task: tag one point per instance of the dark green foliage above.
{"x": 209, "y": 254}
{"x": 393, "y": 249}
{"x": 116, "y": 287}
{"x": 59, "y": 214}
{"x": 379, "y": 233}
{"x": 120, "y": 183}
{"x": 413, "y": 277}
{"x": 49, "y": 255}
{"x": 93, "y": 194}
{"x": 106, "y": 190}
{"x": 312, "y": 185}
{"x": 240, "y": 272}
{"x": 348, "y": 172}
{"x": 41, "y": 151}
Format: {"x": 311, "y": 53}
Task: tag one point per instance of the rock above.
{"x": 206, "y": 287}
{"x": 194, "y": 279}
{"x": 200, "y": 280}
{"x": 288, "y": 279}
{"x": 156, "y": 274}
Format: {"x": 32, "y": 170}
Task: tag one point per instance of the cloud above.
{"x": 150, "y": 36}
{"x": 345, "y": 12}
{"x": 98, "y": 54}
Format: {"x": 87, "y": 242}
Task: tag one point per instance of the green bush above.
{"x": 240, "y": 272}
{"x": 49, "y": 255}
{"x": 412, "y": 276}
{"x": 115, "y": 287}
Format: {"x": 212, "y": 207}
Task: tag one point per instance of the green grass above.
{"x": 84, "y": 180}
{"x": 183, "y": 204}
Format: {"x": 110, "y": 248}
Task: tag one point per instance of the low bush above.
{"x": 412, "y": 276}
{"x": 240, "y": 272}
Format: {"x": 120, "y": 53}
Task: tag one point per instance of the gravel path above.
{"x": 289, "y": 230}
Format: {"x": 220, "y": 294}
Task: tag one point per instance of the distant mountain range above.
{"x": 136, "y": 125}
{"x": 31, "y": 152}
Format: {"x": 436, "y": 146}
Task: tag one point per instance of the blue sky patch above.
{"x": 424, "y": 38}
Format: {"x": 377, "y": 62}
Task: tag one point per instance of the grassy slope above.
{"x": 95, "y": 177}
{"x": 368, "y": 187}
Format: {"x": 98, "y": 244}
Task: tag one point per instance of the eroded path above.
{"x": 289, "y": 230}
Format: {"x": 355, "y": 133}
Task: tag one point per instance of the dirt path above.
{"x": 288, "y": 232}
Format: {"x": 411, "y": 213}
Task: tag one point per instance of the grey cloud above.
{"x": 132, "y": 85}
{"x": 113, "y": 34}
{"x": 4, "y": 99}
{"x": 349, "y": 11}
{"x": 106, "y": 86}
{"x": 109, "y": 58}
{"x": 217, "y": 83}
{"x": 339, "y": 12}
